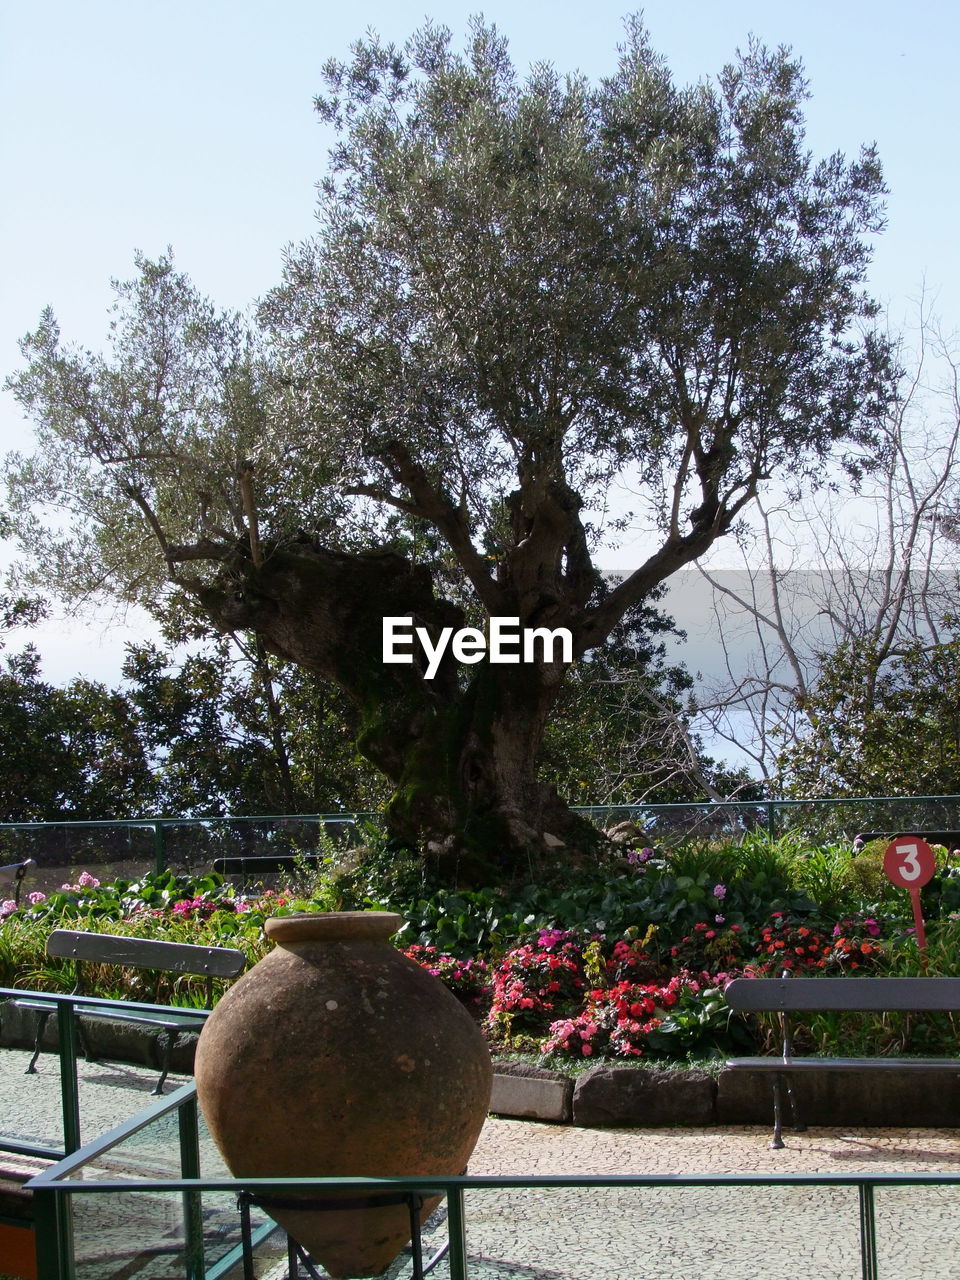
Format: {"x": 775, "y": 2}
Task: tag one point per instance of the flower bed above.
{"x": 626, "y": 964}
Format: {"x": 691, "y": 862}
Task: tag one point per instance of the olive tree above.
{"x": 521, "y": 291}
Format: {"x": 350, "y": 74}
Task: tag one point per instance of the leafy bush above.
{"x": 627, "y": 960}
{"x": 534, "y": 984}
{"x": 713, "y": 948}
{"x": 787, "y": 943}
{"x": 468, "y": 980}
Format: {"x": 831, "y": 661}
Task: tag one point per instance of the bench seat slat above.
{"x": 175, "y": 1018}
{"x": 770, "y": 1063}
{"x": 878, "y": 995}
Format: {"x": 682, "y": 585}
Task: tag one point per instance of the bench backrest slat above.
{"x": 145, "y": 953}
{"x": 854, "y": 994}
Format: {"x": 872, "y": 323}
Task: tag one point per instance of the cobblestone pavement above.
{"x": 701, "y": 1233}
{"x": 795, "y": 1233}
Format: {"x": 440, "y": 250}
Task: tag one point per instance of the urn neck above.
{"x": 333, "y": 926}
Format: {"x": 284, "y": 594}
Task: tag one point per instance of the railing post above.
{"x": 456, "y": 1229}
{"x": 53, "y": 1230}
{"x": 868, "y": 1233}
{"x": 69, "y": 1093}
{"x": 192, "y": 1208}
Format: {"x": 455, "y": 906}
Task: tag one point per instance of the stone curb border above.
{"x": 650, "y": 1097}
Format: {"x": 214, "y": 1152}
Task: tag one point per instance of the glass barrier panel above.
{"x": 916, "y": 1230}
{"x": 154, "y": 1234}
{"x": 144, "y": 1235}
{"x": 663, "y": 1233}
{"x": 63, "y": 852}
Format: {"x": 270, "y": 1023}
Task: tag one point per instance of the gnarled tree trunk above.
{"x": 460, "y": 749}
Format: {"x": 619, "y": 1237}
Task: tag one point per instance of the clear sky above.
{"x": 134, "y": 124}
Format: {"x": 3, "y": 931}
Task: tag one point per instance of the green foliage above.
{"x": 70, "y": 752}
{"x": 884, "y": 720}
{"x": 701, "y": 1024}
{"x": 607, "y": 963}
{"x": 875, "y": 1035}
{"x": 228, "y": 730}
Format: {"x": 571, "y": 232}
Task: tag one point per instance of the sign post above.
{"x": 909, "y": 863}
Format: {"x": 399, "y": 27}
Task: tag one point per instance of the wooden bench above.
{"x": 788, "y": 995}
{"x": 134, "y": 953}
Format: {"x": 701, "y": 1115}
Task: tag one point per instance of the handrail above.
{"x": 46, "y": 1180}
{"x": 357, "y": 816}
{"x": 55, "y": 1237}
{"x": 102, "y": 1002}
{"x": 148, "y": 823}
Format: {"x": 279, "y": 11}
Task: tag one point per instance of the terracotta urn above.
{"x": 337, "y": 1055}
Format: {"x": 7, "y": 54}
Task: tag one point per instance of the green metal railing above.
{"x": 59, "y": 1190}
{"x": 173, "y": 1126}
{"x": 133, "y": 846}
{"x": 823, "y": 818}
{"x": 68, "y": 1009}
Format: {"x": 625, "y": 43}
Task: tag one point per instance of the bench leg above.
{"x": 776, "y": 1143}
{"x": 164, "y": 1061}
{"x": 798, "y": 1125}
{"x": 84, "y": 1039}
{"x": 42, "y": 1019}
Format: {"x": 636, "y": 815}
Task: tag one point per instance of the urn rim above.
{"x": 332, "y": 926}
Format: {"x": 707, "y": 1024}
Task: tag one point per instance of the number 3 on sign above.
{"x": 909, "y": 862}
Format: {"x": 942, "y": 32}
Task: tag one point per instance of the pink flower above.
{"x": 87, "y": 880}
{"x": 36, "y": 897}
{"x": 7, "y": 908}
{"x": 637, "y": 856}
{"x": 719, "y": 891}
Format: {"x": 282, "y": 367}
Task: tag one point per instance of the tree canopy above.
{"x": 72, "y": 752}
{"x": 883, "y": 721}
{"x": 520, "y": 292}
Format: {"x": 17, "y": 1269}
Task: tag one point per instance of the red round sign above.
{"x": 909, "y": 862}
